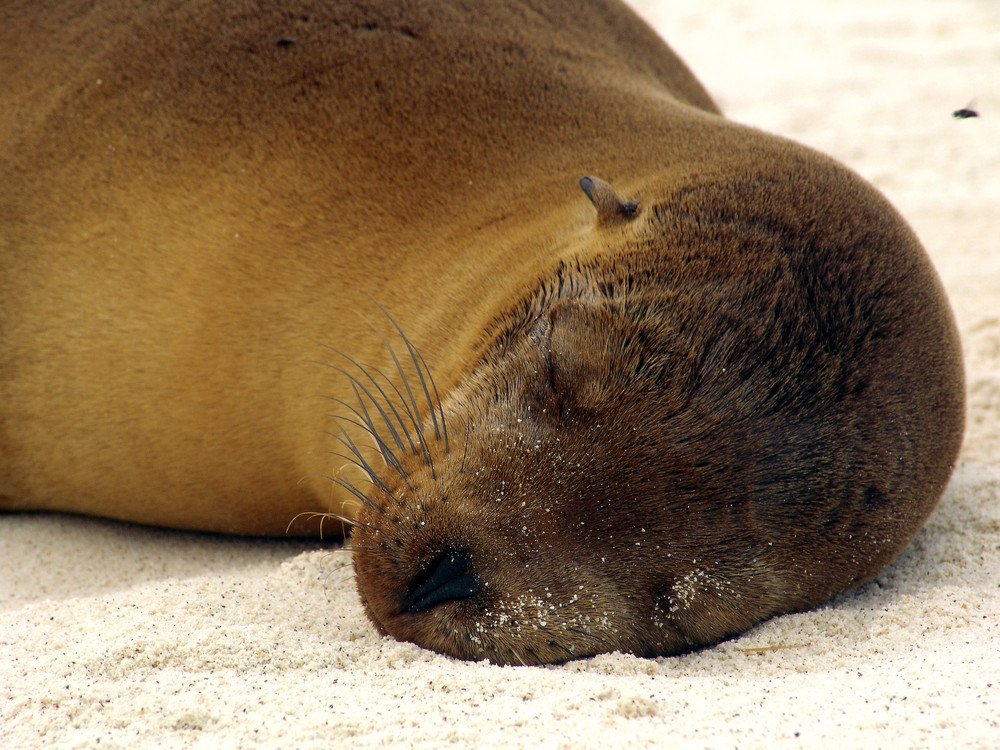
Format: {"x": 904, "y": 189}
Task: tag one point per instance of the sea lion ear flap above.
{"x": 609, "y": 206}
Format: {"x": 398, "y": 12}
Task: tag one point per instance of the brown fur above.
{"x": 731, "y": 401}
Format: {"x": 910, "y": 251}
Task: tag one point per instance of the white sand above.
{"x": 113, "y": 635}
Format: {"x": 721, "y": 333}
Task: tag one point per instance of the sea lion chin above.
{"x": 718, "y": 382}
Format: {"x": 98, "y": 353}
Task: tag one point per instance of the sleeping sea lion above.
{"x": 720, "y": 383}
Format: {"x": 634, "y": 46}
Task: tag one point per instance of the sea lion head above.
{"x": 635, "y": 464}
{"x": 531, "y": 540}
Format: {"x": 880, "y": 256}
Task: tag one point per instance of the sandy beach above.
{"x": 114, "y": 635}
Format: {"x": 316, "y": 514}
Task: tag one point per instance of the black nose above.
{"x": 443, "y": 580}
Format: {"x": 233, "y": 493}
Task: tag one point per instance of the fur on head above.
{"x": 662, "y": 445}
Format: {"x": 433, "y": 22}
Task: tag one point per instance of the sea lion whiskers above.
{"x": 369, "y": 426}
{"x": 380, "y": 447}
{"x": 356, "y": 492}
{"x": 350, "y": 461}
{"x": 346, "y": 506}
{"x": 388, "y": 457}
{"x": 414, "y": 355}
{"x": 365, "y": 417}
{"x": 406, "y": 408}
{"x": 414, "y": 414}
{"x": 322, "y": 516}
{"x": 430, "y": 377}
{"x": 346, "y": 440}
{"x": 360, "y": 463}
{"x": 388, "y": 401}
{"x": 367, "y": 423}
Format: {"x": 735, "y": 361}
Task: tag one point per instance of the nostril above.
{"x": 443, "y": 580}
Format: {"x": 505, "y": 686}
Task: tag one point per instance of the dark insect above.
{"x": 965, "y": 112}
{"x": 285, "y": 41}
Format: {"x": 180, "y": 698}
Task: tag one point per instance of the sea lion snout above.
{"x": 445, "y": 579}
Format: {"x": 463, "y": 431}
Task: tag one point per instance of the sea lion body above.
{"x": 645, "y": 431}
